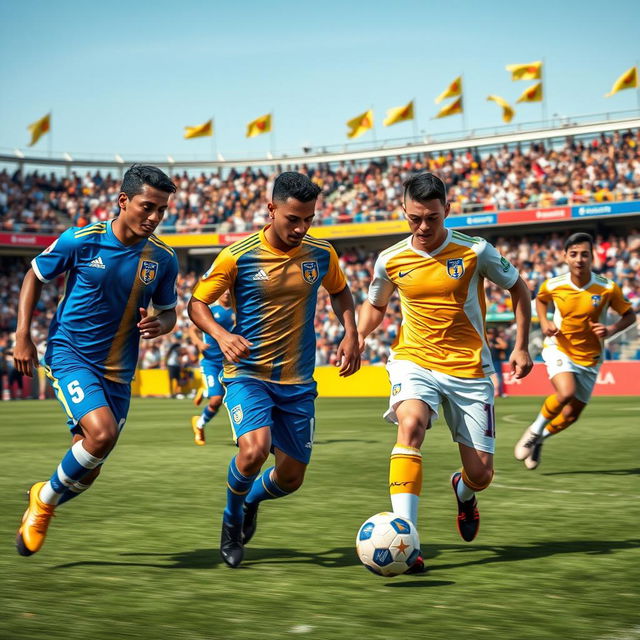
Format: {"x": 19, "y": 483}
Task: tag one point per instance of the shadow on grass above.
{"x": 605, "y": 472}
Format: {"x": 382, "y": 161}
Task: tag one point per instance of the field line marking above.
{"x": 512, "y": 418}
{"x": 564, "y": 491}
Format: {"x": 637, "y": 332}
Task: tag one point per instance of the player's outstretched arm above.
{"x": 520, "y": 360}
{"x": 25, "y": 356}
{"x": 606, "y": 331}
{"x": 157, "y": 325}
{"x": 369, "y": 318}
{"x": 233, "y": 346}
{"x": 548, "y": 327}
{"x": 348, "y": 354}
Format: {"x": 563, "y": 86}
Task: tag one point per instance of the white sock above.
{"x": 539, "y": 424}
{"x": 406, "y": 505}
{"x": 48, "y": 495}
{"x": 464, "y": 492}
{"x": 547, "y": 434}
{"x": 200, "y": 423}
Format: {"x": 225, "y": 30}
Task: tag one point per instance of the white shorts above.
{"x": 559, "y": 362}
{"x": 467, "y": 402}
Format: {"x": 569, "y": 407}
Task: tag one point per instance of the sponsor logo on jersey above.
{"x": 97, "y": 263}
{"x": 261, "y": 274}
{"x": 402, "y": 274}
{"x": 595, "y": 300}
{"x": 310, "y": 271}
{"x": 455, "y": 268}
{"x": 395, "y": 390}
{"x": 506, "y": 265}
{"x": 236, "y": 414}
{"x": 148, "y": 271}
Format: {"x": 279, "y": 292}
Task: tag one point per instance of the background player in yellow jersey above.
{"x": 573, "y": 343}
{"x": 269, "y": 356}
{"x": 440, "y": 355}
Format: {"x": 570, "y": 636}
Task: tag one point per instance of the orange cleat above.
{"x": 35, "y": 523}
{"x": 198, "y": 432}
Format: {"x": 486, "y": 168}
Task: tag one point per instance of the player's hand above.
{"x": 233, "y": 346}
{"x": 150, "y": 326}
{"x": 520, "y": 363}
{"x": 348, "y": 355}
{"x": 601, "y": 330}
{"x": 362, "y": 342}
{"x": 25, "y": 356}
{"x": 550, "y": 329}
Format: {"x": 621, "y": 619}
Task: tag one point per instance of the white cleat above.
{"x": 534, "y": 459}
{"x": 524, "y": 447}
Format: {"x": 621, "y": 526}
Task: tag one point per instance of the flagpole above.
{"x": 415, "y": 120}
{"x": 462, "y": 104}
{"x": 214, "y": 144}
{"x": 272, "y": 136}
{"x": 373, "y": 127}
{"x": 50, "y": 132}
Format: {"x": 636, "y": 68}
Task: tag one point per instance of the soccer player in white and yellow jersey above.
{"x": 441, "y": 355}
{"x": 269, "y": 356}
{"x": 573, "y": 341}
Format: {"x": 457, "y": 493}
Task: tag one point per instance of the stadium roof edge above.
{"x": 402, "y": 150}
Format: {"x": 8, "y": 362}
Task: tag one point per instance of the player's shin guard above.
{"x": 74, "y": 466}
{"x": 405, "y": 481}
{"x": 238, "y": 486}
{"x": 265, "y": 488}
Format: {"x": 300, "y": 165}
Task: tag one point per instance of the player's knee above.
{"x": 411, "y": 429}
{"x": 254, "y": 455}
{"x": 566, "y": 395}
{"x": 101, "y": 441}
{"x": 215, "y": 403}
{"x": 290, "y": 481}
{"x": 478, "y": 478}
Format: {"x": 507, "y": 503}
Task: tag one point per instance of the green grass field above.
{"x": 558, "y": 554}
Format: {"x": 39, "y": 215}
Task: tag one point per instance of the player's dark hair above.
{"x": 424, "y": 186}
{"x": 292, "y": 184}
{"x": 578, "y": 238}
{"x": 138, "y": 175}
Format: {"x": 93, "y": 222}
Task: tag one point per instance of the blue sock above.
{"x": 237, "y": 489}
{"x": 265, "y": 488}
{"x": 207, "y": 415}
{"x": 72, "y": 492}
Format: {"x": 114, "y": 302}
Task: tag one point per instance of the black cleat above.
{"x": 468, "y": 520}
{"x": 250, "y": 523}
{"x": 417, "y": 566}
{"x": 535, "y": 458}
{"x": 231, "y": 547}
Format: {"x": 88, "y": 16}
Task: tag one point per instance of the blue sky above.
{"x": 126, "y": 77}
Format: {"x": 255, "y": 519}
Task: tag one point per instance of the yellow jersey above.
{"x": 443, "y": 302}
{"x": 273, "y": 294}
{"x": 574, "y": 308}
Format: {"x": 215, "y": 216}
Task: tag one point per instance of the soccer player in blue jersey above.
{"x": 211, "y": 365}
{"x": 269, "y": 356}
{"x": 113, "y": 271}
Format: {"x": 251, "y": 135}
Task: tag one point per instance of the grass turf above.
{"x": 137, "y": 557}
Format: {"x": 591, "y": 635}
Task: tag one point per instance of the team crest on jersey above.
{"x": 455, "y": 268}
{"x": 310, "y": 271}
{"x": 148, "y": 271}
{"x": 595, "y": 300}
{"x": 236, "y": 414}
{"x": 395, "y": 390}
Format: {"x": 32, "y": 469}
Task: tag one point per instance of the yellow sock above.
{"x": 558, "y": 424}
{"x": 405, "y": 480}
{"x": 551, "y": 407}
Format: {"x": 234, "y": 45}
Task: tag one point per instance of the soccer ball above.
{"x": 387, "y": 544}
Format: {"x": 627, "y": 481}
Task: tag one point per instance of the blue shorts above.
{"x": 80, "y": 389}
{"x": 211, "y": 378}
{"x": 288, "y": 409}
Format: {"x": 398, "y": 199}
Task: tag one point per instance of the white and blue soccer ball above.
{"x": 387, "y": 544}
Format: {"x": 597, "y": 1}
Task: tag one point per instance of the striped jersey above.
{"x": 274, "y": 296}
{"x": 442, "y": 300}
{"x": 575, "y": 307}
{"x": 106, "y": 284}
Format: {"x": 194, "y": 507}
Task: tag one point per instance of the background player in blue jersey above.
{"x": 273, "y": 276}
{"x": 113, "y": 271}
{"x": 211, "y": 364}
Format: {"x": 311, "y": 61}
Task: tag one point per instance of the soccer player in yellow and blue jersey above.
{"x": 573, "y": 342}
{"x": 273, "y": 276}
{"x": 441, "y": 355}
{"x": 113, "y": 270}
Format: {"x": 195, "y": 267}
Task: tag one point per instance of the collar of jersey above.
{"x": 138, "y": 246}
{"x": 573, "y": 285}
{"x": 436, "y": 251}
{"x": 265, "y": 242}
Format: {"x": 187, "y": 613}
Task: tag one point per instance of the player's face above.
{"x": 225, "y": 298}
{"x": 291, "y": 220}
{"x": 579, "y": 258}
{"x": 144, "y": 212}
{"x": 426, "y": 221}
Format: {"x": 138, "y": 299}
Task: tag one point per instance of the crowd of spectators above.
{"x": 597, "y": 169}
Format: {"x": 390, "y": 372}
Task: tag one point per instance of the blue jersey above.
{"x": 106, "y": 284}
{"x": 224, "y": 316}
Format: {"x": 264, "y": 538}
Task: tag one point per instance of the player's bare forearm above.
{"x": 369, "y": 318}
{"x": 348, "y": 354}
{"x": 547, "y": 328}
{"x": 342, "y": 304}
{"x": 153, "y": 326}
{"x": 25, "y": 356}
{"x": 606, "y": 331}
{"x": 520, "y": 360}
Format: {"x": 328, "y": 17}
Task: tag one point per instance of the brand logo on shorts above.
{"x": 455, "y": 268}
{"x": 310, "y": 271}
{"x": 595, "y": 300}
{"x": 506, "y": 265}
{"x": 236, "y": 414}
{"x": 395, "y": 390}
{"x": 148, "y": 271}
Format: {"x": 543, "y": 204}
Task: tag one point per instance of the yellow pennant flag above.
{"x": 507, "y": 109}
{"x": 628, "y": 80}
{"x": 39, "y": 128}
{"x": 399, "y": 114}
{"x": 453, "y": 90}
{"x": 450, "y": 109}
{"x": 360, "y": 124}
{"x": 532, "y": 94}
{"x": 529, "y": 71}
{"x": 259, "y": 125}
{"x": 200, "y": 131}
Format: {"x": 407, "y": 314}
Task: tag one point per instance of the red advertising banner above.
{"x": 25, "y": 240}
{"x": 225, "y": 239}
{"x": 614, "y": 379}
{"x": 534, "y": 215}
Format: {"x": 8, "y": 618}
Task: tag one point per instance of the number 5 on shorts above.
{"x": 75, "y": 391}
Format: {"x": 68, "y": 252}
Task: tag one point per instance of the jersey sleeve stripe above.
{"x": 238, "y": 251}
{"x": 241, "y": 244}
{"x": 36, "y": 270}
{"x": 161, "y": 245}
{"x": 317, "y": 241}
